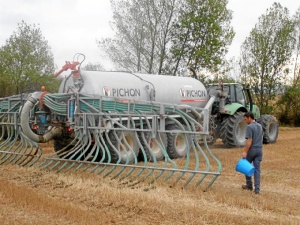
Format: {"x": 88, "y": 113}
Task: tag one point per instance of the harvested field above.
{"x": 35, "y": 196}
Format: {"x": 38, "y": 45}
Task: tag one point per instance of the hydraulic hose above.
{"x": 31, "y": 101}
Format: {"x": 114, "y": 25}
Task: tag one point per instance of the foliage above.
{"x": 289, "y": 102}
{"x": 296, "y": 69}
{"x": 93, "y": 67}
{"x": 162, "y": 36}
{"x": 142, "y": 28}
{"x": 265, "y": 53}
{"x": 202, "y": 34}
{"x": 289, "y": 106}
{"x": 26, "y": 62}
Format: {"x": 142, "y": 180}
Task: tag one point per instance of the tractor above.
{"x": 227, "y": 123}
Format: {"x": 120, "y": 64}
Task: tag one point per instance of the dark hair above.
{"x": 249, "y": 114}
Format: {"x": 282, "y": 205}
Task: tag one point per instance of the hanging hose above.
{"x": 15, "y": 147}
{"x": 133, "y": 142}
{"x": 32, "y": 100}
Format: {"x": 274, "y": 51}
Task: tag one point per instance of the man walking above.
{"x": 253, "y": 150}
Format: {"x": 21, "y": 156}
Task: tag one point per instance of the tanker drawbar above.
{"x": 131, "y": 127}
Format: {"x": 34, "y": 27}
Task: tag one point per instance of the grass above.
{"x": 35, "y": 196}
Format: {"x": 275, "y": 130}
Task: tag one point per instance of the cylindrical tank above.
{"x": 148, "y": 87}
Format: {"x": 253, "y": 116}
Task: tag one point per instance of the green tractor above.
{"x": 227, "y": 122}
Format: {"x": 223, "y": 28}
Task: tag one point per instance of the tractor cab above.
{"x": 232, "y": 97}
{"x": 233, "y": 92}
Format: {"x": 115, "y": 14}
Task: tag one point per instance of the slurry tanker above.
{"x": 138, "y": 127}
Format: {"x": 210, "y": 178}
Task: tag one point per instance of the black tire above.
{"x": 120, "y": 149}
{"x": 270, "y": 128}
{"x": 233, "y": 130}
{"x": 59, "y": 144}
{"x": 3, "y": 132}
{"x": 155, "y": 151}
{"x": 178, "y": 143}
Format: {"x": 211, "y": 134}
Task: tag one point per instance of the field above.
{"x": 35, "y": 196}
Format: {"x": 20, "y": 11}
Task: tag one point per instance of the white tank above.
{"x": 149, "y": 87}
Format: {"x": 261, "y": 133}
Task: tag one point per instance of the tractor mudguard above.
{"x": 232, "y": 108}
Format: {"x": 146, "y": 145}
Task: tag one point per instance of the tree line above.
{"x": 163, "y": 37}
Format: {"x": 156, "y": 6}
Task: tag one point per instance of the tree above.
{"x": 266, "y": 51}
{"x": 26, "y": 61}
{"x": 289, "y": 102}
{"x": 142, "y": 34}
{"x": 161, "y": 36}
{"x": 202, "y": 34}
{"x": 296, "y": 69}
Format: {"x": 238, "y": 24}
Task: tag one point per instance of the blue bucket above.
{"x": 244, "y": 167}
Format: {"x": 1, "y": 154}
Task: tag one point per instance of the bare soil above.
{"x": 36, "y": 196}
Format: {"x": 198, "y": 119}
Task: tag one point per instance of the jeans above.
{"x": 254, "y": 156}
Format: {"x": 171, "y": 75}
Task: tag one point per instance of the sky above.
{"x": 73, "y": 26}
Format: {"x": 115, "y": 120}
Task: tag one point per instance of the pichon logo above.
{"x": 192, "y": 93}
{"x": 182, "y": 93}
{"x": 106, "y": 91}
{"x": 121, "y": 92}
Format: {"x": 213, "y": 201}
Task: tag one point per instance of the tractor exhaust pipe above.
{"x": 30, "y": 103}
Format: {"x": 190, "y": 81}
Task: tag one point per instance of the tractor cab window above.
{"x": 240, "y": 96}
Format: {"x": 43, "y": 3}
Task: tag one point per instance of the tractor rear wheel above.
{"x": 270, "y": 128}
{"x": 233, "y": 130}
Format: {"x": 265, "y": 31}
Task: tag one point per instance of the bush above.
{"x": 289, "y": 106}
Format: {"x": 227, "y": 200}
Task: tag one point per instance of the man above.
{"x": 253, "y": 150}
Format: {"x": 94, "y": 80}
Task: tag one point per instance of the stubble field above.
{"x": 35, "y": 196}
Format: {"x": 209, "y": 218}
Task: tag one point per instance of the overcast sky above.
{"x": 72, "y": 26}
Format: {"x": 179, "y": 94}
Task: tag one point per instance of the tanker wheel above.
{"x": 178, "y": 143}
{"x": 3, "y": 132}
{"x": 125, "y": 146}
{"x": 59, "y": 144}
{"x": 155, "y": 145}
{"x": 270, "y": 128}
{"x": 233, "y": 130}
